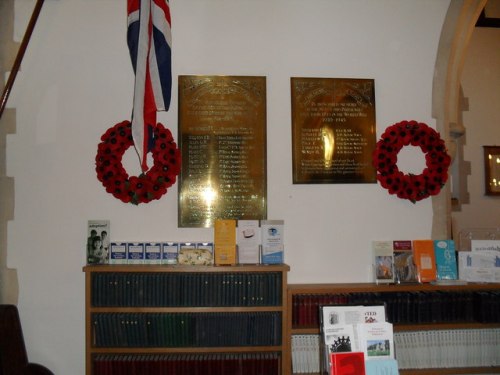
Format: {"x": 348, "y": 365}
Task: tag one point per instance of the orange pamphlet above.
{"x": 425, "y": 260}
{"x": 225, "y": 242}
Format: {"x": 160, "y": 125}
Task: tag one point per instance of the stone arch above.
{"x": 9, "y": 289}
{"x": 457, "y": 29}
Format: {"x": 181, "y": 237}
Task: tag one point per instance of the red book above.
{"x": 347, "y": 363}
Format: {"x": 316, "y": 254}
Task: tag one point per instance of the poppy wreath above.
{"x": 410, "y": 186}
{"x": 148, "y": 186}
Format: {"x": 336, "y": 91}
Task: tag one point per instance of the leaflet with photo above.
{"x": 376, "y": 340}
{"x": 383, "y": 259}
{"x": 98, "y": 234}
{"x": 405, "y": 270}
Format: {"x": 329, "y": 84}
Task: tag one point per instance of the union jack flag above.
{"x": 149, "y": 41}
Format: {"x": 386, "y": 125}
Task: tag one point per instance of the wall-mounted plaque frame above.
{"x": 333, "y": 130}
{"x": 222, "y": 128}
{"x": 491, "y": 170}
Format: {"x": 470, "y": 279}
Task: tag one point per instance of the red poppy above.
{"x": 148, "y": 186}
{"x": 409, "y": 186}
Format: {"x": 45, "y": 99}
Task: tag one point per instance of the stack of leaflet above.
{"x": 353, "y": 336}
{"x": 481, "y": 263}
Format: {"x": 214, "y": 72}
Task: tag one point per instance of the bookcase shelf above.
{"x": 410, "y": 307}
{"x": 144, "y": 319}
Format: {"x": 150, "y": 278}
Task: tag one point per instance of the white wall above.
{"x": 76, "y": 82}
{"x": 480, "y": 83}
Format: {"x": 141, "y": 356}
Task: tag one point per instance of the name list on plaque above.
{"x": 222, "y": 127}
{"x": 333, "y": 130}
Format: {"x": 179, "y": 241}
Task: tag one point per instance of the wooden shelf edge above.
{"x": 373, "y": 288}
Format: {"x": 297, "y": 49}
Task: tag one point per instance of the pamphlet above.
{"x": 405, "y": 270}
{"x": 446, "y": 260}
{"x": 152, "y": 252}
{"x": 135, "y": 253}
{"x": 423, "y": 252}
{"x": 382, "y": 367}
{"x": 479, "y": 266}
{"x": 98, "y": 234}
{"x": 248, "y": 238}
{"x": 170, "y": 251}
{"x": 376, "y": 340}
{"x": 347, "y": 363}
{"x": 383, "y": 258}
{"x": 225, "y": 242}
{"x": 272, "y": 241}
{"x": 118, "y": 253}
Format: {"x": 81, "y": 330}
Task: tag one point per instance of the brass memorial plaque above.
{"x": 222, "y": 127}
{"x": 333, "y": 130}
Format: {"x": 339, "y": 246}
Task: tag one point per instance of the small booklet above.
{"x": 405, "y": 270}
{"x": 423, "y": 252}
{"x": 347, "y": 363}
{"x": 383, "y": 259}
{"x": 382, "y": 367}
{"x": 98, "y": 233}
{"x": 225, "y": 241}
{"x": 273, "y": 246}
{"x": 376, "y": 340}
{"x": 248, "y": 237}
{"x": 446, "y": 260}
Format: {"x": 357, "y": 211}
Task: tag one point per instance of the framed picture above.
{"x": 222, "y": 135}
{"x": 333, "y": 130}
{"x": 492, "y": 170}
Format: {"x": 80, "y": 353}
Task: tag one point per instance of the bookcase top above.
{"x": 185, "y": 268}
{"x": 373, "y": 287}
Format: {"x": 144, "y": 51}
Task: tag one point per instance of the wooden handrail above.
{"x": 20, "y": 55}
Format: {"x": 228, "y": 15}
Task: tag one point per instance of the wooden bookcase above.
{"x": 212, "y": 315}
{"x": 364, "y": 293}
